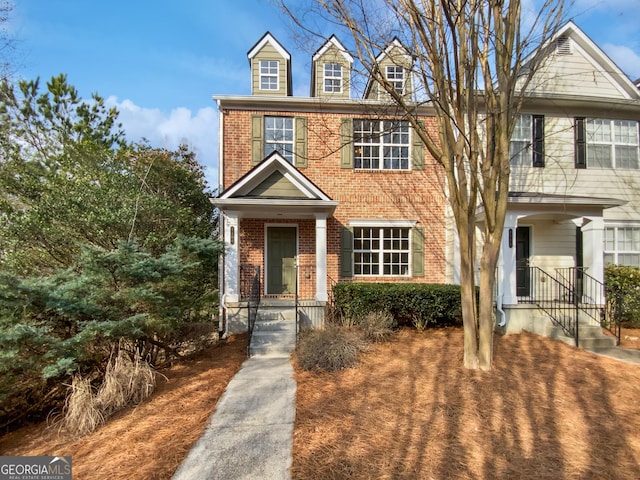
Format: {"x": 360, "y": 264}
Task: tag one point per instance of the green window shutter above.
{"x": 257, "y": 139}
{"x": 346, "y": 151}
{"x": 300, "y": 157}
{"x": 417, "y": 150}
{"x": 538, "y": 140}
{"x": 580, "y": 143}
{"x": 417, "y": 250}
{"x": 346, "y": 252}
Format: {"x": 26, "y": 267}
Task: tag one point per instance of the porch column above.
{"x": 592, "y": 247}
{"x": 231, "y": 266}
{"x": 321, "y": 257}
{"x": 507, "y": 277}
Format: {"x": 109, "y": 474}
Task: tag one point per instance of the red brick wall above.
{"x": 399, "y": 195}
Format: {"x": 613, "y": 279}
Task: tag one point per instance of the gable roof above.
{"x": 394, "y": 43}
{"x": 600, "y": 64}
{"x": 268, "y": 38}
{"x": 332, "y": 41}
{"x": 296, "y": 194}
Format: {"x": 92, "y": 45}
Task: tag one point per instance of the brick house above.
{"x": 323, "y": 189}
{"x": 329, "y": 188}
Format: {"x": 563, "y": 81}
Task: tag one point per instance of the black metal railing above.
{"x": 252, "y": 306}
{"x": 593, "y": 299}
{"x": 553, "y": 297}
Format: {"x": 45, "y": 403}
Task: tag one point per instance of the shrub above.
{"x": 376, "y": 326}
{"x": 420, "y": 304}
{"x": 332, "y": 348}
{"x": 126, "y": 382}
{"x": 623, "y": 293}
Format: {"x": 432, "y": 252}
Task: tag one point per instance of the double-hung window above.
{"x": 395, "y": 76}
{"x": 380, "y": 145}
{"x": 279, "y": 136}
{"x": 602, "y": 143}
{"x": 332, "y": 78}
{"x": 381, "y": 251}
{"x": 622, "y": 246}
{"x": 527, "y": 141}
{"x": 269, "y": 74}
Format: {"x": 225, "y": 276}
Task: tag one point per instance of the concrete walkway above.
{"x": 250, "y": 435}
{"x": 618, "y": 353}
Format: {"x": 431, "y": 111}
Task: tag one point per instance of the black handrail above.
{"x": 594, "y": 299}
{"x": 554, "y": 298}
{"x": 252, "y": 307}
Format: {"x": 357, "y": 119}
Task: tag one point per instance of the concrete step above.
{"x": 589, "y": 343}
{"x": 274, "y": 333}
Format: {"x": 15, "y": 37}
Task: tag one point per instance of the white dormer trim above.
{"x": 268, "y": 38}
{"x": 274, "y": 163}
{"x": 395, "y": 43}
{"x": 333, "y": 41}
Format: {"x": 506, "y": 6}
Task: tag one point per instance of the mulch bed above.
{"x": 411, "y": 411}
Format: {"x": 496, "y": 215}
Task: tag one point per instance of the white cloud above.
{"x": 169, "y": 130}
{"x": 625, "y": 58}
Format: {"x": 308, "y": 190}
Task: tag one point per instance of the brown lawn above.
{"x": 148, "y": 441}
{"x": 410, "y": 410}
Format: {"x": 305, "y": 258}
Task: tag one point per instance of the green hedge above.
{"x": 623, "y": 293}
{"x": 419, "y": 304}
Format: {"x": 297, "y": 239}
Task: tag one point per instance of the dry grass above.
{"x": 411, "y": 411}
{"x": 126, "y": 382}
{"x": 81, "y": 415}
{"x": 148, "y": 441}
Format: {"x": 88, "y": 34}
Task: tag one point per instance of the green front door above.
{"x": 281, "y": 260}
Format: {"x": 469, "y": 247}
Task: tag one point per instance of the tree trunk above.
{"x": 486, "y": 320}
{"x": 468, "y": 297}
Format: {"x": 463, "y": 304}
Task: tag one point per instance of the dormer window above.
{"x": 269, "y": 74}
{"x": 395, "y": 76}
{"x": 332, "y": 78}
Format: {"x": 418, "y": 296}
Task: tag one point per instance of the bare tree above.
{"x": 473, "y": 61}
{"x": 6, "y": 42}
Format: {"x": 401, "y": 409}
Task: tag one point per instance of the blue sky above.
{"x": 160, "y": 62}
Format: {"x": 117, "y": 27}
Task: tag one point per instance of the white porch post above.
{"x": 231, "y": 258}
{"x": 508, "y": 261}
{"x": 592, "y": 247}
{"x": 321, "y": 257}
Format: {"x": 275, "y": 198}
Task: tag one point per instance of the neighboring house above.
{"x": 323, "y": 189}
{"x": 328, "y": 188}
{"x": 575, "y": 180}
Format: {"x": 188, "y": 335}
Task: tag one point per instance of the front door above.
{"x": 281, "y": 260}
{"x": 523, "y": 252}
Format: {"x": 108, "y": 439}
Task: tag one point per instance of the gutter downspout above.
{"x": 500, "y": 294}
{"x": 222, "y": 308}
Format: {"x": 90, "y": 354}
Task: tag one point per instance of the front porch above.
{"x": 274, "y": 225}
{"x": 550, "y": 277}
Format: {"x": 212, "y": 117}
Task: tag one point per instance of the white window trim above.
{"x": 611, "y": 144}
{"x": 382, "y": 251}
{"x": 331, "y": 77}
{"x": 381, "y": 145}
{"x": 394, "y": 81}
{"x": 291, "y": 143}
{"x": 378, "y": 223}
{"x": 615, "y": 252}
{"x": 264, "y": 75}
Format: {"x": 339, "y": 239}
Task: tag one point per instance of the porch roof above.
{"x": 275, "y": 189}
{"x": 570, "y": 206}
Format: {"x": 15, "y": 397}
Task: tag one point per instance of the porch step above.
{"x": 589, "y": 337}
{"x": 274, "y": 333}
